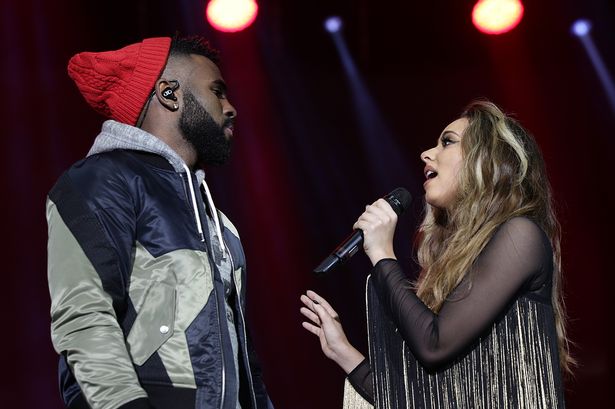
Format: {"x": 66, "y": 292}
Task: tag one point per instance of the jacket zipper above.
{"x": 217, "y": 304}
{"x": 243, "y": 327}
{"x": 221, "y": 346}
{"x": 212, "y": 265}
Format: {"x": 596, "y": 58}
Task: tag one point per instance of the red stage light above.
{"x": 231, "y": 15}
{"x": 497, "y": 16}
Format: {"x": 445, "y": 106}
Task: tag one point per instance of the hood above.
{"x": 116, "y": 135}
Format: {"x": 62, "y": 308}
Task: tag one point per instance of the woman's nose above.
{"x": 427, "y": 155}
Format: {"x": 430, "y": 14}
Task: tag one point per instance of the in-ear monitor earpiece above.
{"x": 168, "y": 93}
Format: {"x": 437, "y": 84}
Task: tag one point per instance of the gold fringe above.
{"x": 515, "y": 366}
{"x": 352, "y": 399}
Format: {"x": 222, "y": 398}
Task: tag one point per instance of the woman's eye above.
{"x": 446, "y": 141}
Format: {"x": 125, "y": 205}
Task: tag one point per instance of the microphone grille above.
{"x": 399, "y": 199}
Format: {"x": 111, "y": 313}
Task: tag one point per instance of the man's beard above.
{"x": 204, "y": 134}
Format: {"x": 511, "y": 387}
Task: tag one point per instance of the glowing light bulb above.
{"x": 231, "y": 15}
{"x": 333, "y": 24}
{"x": 497, "y": 16}
{"x": 581, "y": 27}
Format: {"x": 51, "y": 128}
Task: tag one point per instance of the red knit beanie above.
{"x": 118, "y": 83}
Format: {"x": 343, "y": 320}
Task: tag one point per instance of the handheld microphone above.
{"x": 399, "y": 199}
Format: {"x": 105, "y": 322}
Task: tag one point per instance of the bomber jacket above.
{"x": 137, "y": 300}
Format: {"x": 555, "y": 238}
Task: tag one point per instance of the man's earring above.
{"x": 175, "y": 107}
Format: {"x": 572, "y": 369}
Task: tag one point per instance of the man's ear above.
{"x": 165, "y": 92}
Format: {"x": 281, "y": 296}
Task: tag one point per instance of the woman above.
{"x": 485, "y": 327}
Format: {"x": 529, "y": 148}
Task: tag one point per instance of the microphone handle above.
{"x": 343, "y": 252}
{"x": 399, "y": 199}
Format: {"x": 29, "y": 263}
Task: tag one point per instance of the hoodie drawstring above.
{"x": 215, "y": 216}
{"x": 197, "y": 216}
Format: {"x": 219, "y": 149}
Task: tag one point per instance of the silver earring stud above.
{"x": 175, "y": 106}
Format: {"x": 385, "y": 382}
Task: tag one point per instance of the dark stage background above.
{"x": 308, "y": 157}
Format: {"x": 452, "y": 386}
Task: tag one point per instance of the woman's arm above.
{"x": 518, "y": 252}
{"x": 325, "y": 324}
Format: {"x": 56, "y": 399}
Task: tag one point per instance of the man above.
{"x": 147, "y": 278}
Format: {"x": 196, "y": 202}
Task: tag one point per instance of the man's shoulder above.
{"x": 114, "y": 164}
{"x": 104, "y": 160}
{"x": 99, "y": 161}
{"x": 94, "y": 174}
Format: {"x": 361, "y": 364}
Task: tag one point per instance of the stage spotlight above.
{"x": 231, "y": 15}
{"x": 497, "y": 16}
{"x": 581, "y": 27}
{"x": 333, "y": 24}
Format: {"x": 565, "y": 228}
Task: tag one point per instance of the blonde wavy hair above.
{"x": 503, "y": 176}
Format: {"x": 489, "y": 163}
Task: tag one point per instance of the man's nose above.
{"x": 229, "y": 110}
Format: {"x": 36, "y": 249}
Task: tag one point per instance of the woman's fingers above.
{"x": 312, "y": 295}
{"x": 384, "y": 206}
{"x": 378, "y": 224}
{"x": 380, "y": 207}
{"x": 309, "y": 314}
{"x": 318, "y": 300}
{"x": 366, "y": 220}
{"x": 307, "y": 301}
{"x": 326, "y": 318}
{"x": 383, "y": 211}
{"x": 325, "y": 325}
{"x": 312, "y": 328}
{"x": 377, "y": 214}
{"x": 317, "y": 309}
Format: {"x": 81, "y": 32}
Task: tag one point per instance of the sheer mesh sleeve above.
{"x": 517, "y": 258}
{"x": 361, "y": 380}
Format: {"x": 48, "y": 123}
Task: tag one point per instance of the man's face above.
{"x": 207, "y": 117}
{"x": 210, "y": 140}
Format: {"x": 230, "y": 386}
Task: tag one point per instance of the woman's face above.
{"x": 443, "y": 164}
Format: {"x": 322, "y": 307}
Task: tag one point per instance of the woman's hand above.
{"x": 378, "y": 225}
{"x": 325, "y": 324}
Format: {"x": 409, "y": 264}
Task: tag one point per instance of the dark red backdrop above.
{"x": 302, "y": 171}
